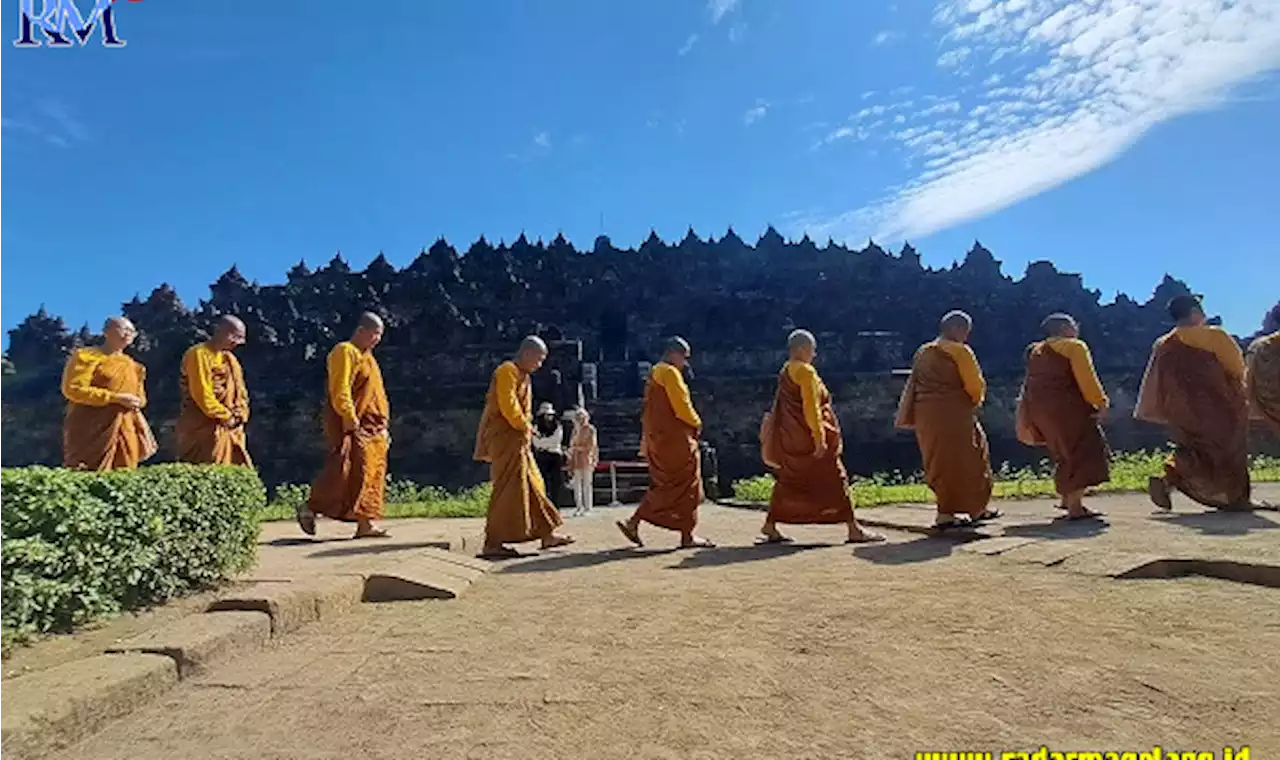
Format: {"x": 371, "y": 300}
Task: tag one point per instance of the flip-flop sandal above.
{"x": 632, "y": 535}
{"x": 373, "y": 534}
{"x": 306, "y": 520}
{"x": 989, "y": 514}
{"x": 1088, "y": 515}
{"x": 950, "y": 525}
{"x": 867, "y": 538}
{"x": 699, "y": 543}
{"x": 774, "y": 539}
{"x": 559, "y": 542}
{"x": 502, "y": 552}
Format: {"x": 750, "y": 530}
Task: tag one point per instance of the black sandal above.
{"x": 987, "y": 514}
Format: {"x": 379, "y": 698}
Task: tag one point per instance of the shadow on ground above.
{"x": 1222, "y": 523}
{"x": 552, "y": 563}
{"x": 1058, "y": 530}
{"x": 912, "y": 552}
{"x": 733, "y": 555}
{"x": 372, "y": 546}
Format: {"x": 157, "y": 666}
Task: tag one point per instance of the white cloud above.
{"x": 737, "y": 32}
{"x": 688, "y": 45}
{"x": 1108, "y": 71}
{"x": 755, "y": 113}
{"x": 542, "y": 140}
{"x": 885, "y": 37}
{"x": 720, "y": 8}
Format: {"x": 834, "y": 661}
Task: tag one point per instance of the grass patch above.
{"x": 1129, "y": 473}
{"x": 404, "y": 499}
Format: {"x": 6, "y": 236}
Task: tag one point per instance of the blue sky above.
{"x": 1118, "y": 138}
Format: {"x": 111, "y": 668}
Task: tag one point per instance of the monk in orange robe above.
{"x": 941, "y": 401}
{"x": 519, "y": 509}
{"x": 105, "y": 391}
{"x": 214, "y": 400}
{"x": 1194, "y": 385}
{"x": 1061, "y": 402}
{"x": 811, "y": 486}
{"x": 669, "y": 440}
{"x": 352, "y": 485}
{"x": 1264, "y": 379}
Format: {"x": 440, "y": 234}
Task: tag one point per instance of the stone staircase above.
{"x": 617, "y": 422}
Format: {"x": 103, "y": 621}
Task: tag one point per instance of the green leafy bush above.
{"x": 78, "y": 546}
{"x": 1129, "y": 472}
{"x": 404, "y": 498}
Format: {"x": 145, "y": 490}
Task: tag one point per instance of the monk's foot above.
{"x": 772, "y": 537}
{"x": 1083, "y": 513}
{"x": 865, "y": 537}
{"x": 696, "y": 542}
{"x": 553, "y": 541}
{"x": 944, "y": 524}
{"x": 985, "y": 515}
{"x": 371, "y": 531}
{"x": 306, "y": 519}
{"x": 631, "y": 532}
{"x": 498, "y": 551}
{"x": 1158, "y": 490}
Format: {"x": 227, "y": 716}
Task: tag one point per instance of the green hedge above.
{"x": 78, "y": 546}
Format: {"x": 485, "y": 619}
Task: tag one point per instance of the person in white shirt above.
{"x": 548, "y": 450}
{"x": 584, "y": 455}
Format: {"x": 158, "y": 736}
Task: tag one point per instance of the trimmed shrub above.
{"x": 78, "y": 546}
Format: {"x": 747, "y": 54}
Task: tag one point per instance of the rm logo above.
{"x": 57, "y": 17}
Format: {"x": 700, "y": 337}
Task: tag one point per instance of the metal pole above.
{"x": 613, "y": 484}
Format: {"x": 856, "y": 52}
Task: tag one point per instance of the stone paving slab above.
{"x": 198, "y": 642}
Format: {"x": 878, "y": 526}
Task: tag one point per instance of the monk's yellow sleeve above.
{"x": 198, "y": 367}
{"x": 1086, "y": 375}
{"x": 241, "y": 400}
{"x": 678, "y": 393}
{"x": 507, "y": 377}
{"x": 77, "y": 379}
{"x": 342, "y": 368}
{"x": 1228, "y": 352}
{"x": 970, "y": 373}
{"x": 141, "y": 369}
{"x": 805, "y": 376}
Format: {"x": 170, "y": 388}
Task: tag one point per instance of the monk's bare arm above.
{"x": 77, "y": 379}
{"x": 342, "y": 368}
{"x": 1086, "y": 374}
{"x": 141, "y": 369}
{"x": 678, "y": 393}
{"x": 805, "y": 376}
{"x": 198, "y": 366}
{"x": 508, "y": 402}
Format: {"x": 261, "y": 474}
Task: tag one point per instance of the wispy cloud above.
{"x": 540, "y": 145}
{"x": 688, "y": 45}
{"x": 738, "y": 32}
{"x": 720, "y": 8}
{"x": 885, "y": 37}
{"x": 53, "y": 122}
{"x": 1104, "y": 72}
{"x": 542, "y": 140}
{"x": 755, "y": 113}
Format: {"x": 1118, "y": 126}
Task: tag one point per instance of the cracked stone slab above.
{"x": 294, "y": 604}
{"x": 1045, "y": 553}
{"x": 423, "y": 576}
{"x": 1105, "y": 564}
{"x": 991, "y": 547}
{"x": 198, "y": 642}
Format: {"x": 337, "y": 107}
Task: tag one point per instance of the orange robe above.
{"x": 97, "y": 433}
{"x": 670, "y": 429}
{"x": 1060, "y": 397}
{"x": 352, "y": 484}
{"x": 212, "y": 393}
{"x": 519, "y": 509}
{"x": 940, "y": 403}
{"x": 1194, "y": 385}
{"x": 808, "y": 490}
{"x": 1264, "y": 379}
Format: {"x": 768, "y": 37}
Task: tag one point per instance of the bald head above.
{"x": 118, "y": 334}
{"x": 228, "y": 333}
{"x": 955, "y": 325}
{"x": 1060, "y": 325}
{"x": 531, "y": 354}
{"x": 801, "y": 345}
{"x": 677, "y": 351}
{"x": 368, "y": 331}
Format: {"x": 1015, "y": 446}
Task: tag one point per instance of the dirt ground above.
{"x": 815, "y": 650}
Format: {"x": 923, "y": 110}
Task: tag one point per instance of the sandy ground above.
{"x": 815, "y": 650}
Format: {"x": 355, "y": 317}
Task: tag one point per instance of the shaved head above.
{"x": 955, "y": 325}
{"x": 677, "y": 352}
{"x": 228, "y": 333}
{"x": 118, "y": 334}
{"x": 1060, "y": 325}
{"x": 531, "y": 354}
{"x": 368, "y": 331}
{"x": 801, "y": 339}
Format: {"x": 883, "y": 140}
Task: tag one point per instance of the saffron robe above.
{"x": 670, "y": 429}
{"x": 940, "y": 403}
{"x": 808, "y": 490}
{"x": 97, "y": 433}
{"x": 1264, "y": 379}
{"x": 1194, "y": 385}
{"x": 212, "y": 393}
{"x": 352, "y": 484}
{"x": 519, "y": 509}
{"x": 1060, "y": 397}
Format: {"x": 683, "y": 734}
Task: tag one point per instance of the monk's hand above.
{"x": 128, "y": 400}
{"x": 820, "y": 450}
